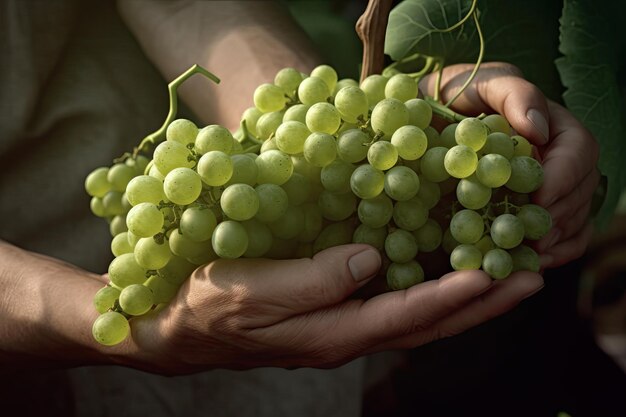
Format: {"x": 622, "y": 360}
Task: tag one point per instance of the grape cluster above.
{"x": 317, "y": 162}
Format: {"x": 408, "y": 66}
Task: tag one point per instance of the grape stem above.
{"x": 159, "y": 135}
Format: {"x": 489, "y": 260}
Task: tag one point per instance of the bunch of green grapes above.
{"x": 317, "y": 162}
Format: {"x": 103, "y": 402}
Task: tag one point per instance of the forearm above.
{"x": 46, "y": 313}
{"x": 244, "y": 43}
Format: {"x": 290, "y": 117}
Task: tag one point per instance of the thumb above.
{"x": 498, "y": 87}
{"x": 298, "y": 285}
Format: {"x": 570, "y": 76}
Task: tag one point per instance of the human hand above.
{"x": 568, "y": 151}
{"x": 248, "y": 313}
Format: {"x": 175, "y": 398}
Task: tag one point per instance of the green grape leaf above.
{"x": 589, "y": 69}
{"x": 418, "y": 25}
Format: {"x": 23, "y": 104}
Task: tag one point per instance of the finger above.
{"x": 570, "y": 249}
{"x": 569, "y": 157}
{"x": 570, "y": 204}
{"x": 502, "y": 297}
{"x": 279, "y": 289}
{"x": 497, "y": 87}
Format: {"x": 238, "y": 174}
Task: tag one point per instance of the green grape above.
{"x": 273, "y": 202}
{"x": 259, "y": 238}
{"x": 345, "y": 126}
{"x": 485, "y": 244}
{"x": 111, "y": 328}
{"x": 323, "y": 118}
{"x": 290, "y": 225}
{"x": 320, "y": 149}
{"x": 493, "y": 170}
{"x": 507, "y": 231}
{"x": 522, "y": 146}
{"x": 312, "y": 224}
{"x": 118, "y": 225}
{"x": 335, "y": 177}
{"x": 296, "y": 113}
{"x": 251, "y": 116}
{"x": 144, "y": 220}
{"x": 410, "y": 215}
{"x": 144, "y": 189}
{"x": 429, "y": 192}
{"x": 96, "y": 183}
{"x": 132, "y": 239}
{"x": 472, "y": 194}
{"x": 382, "y": 155}
{"x": 176, "y": 271}
{"x": 526, "y": 175}
{"x": 388, "y": 116}
{"x": 337, "y": 207}
{"x": 335, "y": 234}
{"x": 410, "y": 141}
{"x": 344, "y": 82}
{"x": 181, "y": 245}
{"x": 290, "y": 137}
{"x": 432, "y": 164}
{"x": 401, "y": 276}
{"x": 367, "y": 181}
{"x": 245, "y": 170}
{"x": 375, "y": 212}
{"x": 105, "y": 298}
{"x": 500, "y": 144}
{"x": 413, "y": 165}
{"x": 214, "y": 138}
{"x": 124, "y": 271}
{"x": 97, "y": 207}
{"x": 497, "y": 263}
{"x": 374, "y": 88}
{"x": 327, "y": 74}
{"x": 448, "y": 242}
{"x": 304, "y": 168}
{"x": 400, "y": 246}
{"x": 182, "y": 131}
{"x": 298, "y": 189}
{"x": 119, "y": 175}
{"x": 275, "y": 167}
{"x": 138, "y": 163}
{"x": 420, "y": 112}
{"x": 154, "y": 172}
{"x": 169, "y": 155}
{"x": 230, "y": 239}
{"x": 182, "y": 186}
{"x": 151, "y": 255}
{"x": 352, "y": 145}
{"x": 401, "y": 183}
{"x": 351, "y": 102}
{"x": 428, "y": 237}
{"x": 162, "y": 291}
{"x": 215, "y": 168}
{"x": 467, "y": 226}
{"x": 126, "y": 204}
{"x": 268, "y": 123}
{"x": 120, "y": 245}
{"x": 370, "y": 236}
{"x": 460, "y": 161}
{"x": 401, "y": 87}
{"x": 269, "y": 97}
{"x": 465, "y": 257}
{"x": 288, "y": 79}
{"x": 448, "y": 136}
{"x": 537, "y": 221}
{"x": 525, "y": 259}
{"x": 268, "y": 145}
{"x": 471, "y": 132}
{"x": 434, "y": 140}
{"x": 497, "y": 123}
{"x": 313, "y": 90}
{"x": 112, "y": 203}
{"x": 240, "y": 202}
{"x": 136, "y": 300}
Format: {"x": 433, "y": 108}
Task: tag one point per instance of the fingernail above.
{"x": 540, "y": 123}
{"x": 535, "y": 291}
{"x": 364, "y": 264}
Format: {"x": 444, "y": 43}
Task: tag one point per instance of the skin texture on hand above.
{"x": 568, "y": 151}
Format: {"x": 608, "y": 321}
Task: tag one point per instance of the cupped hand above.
{"x": 247, "y": 313}
{"x": 568, "y": 151}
